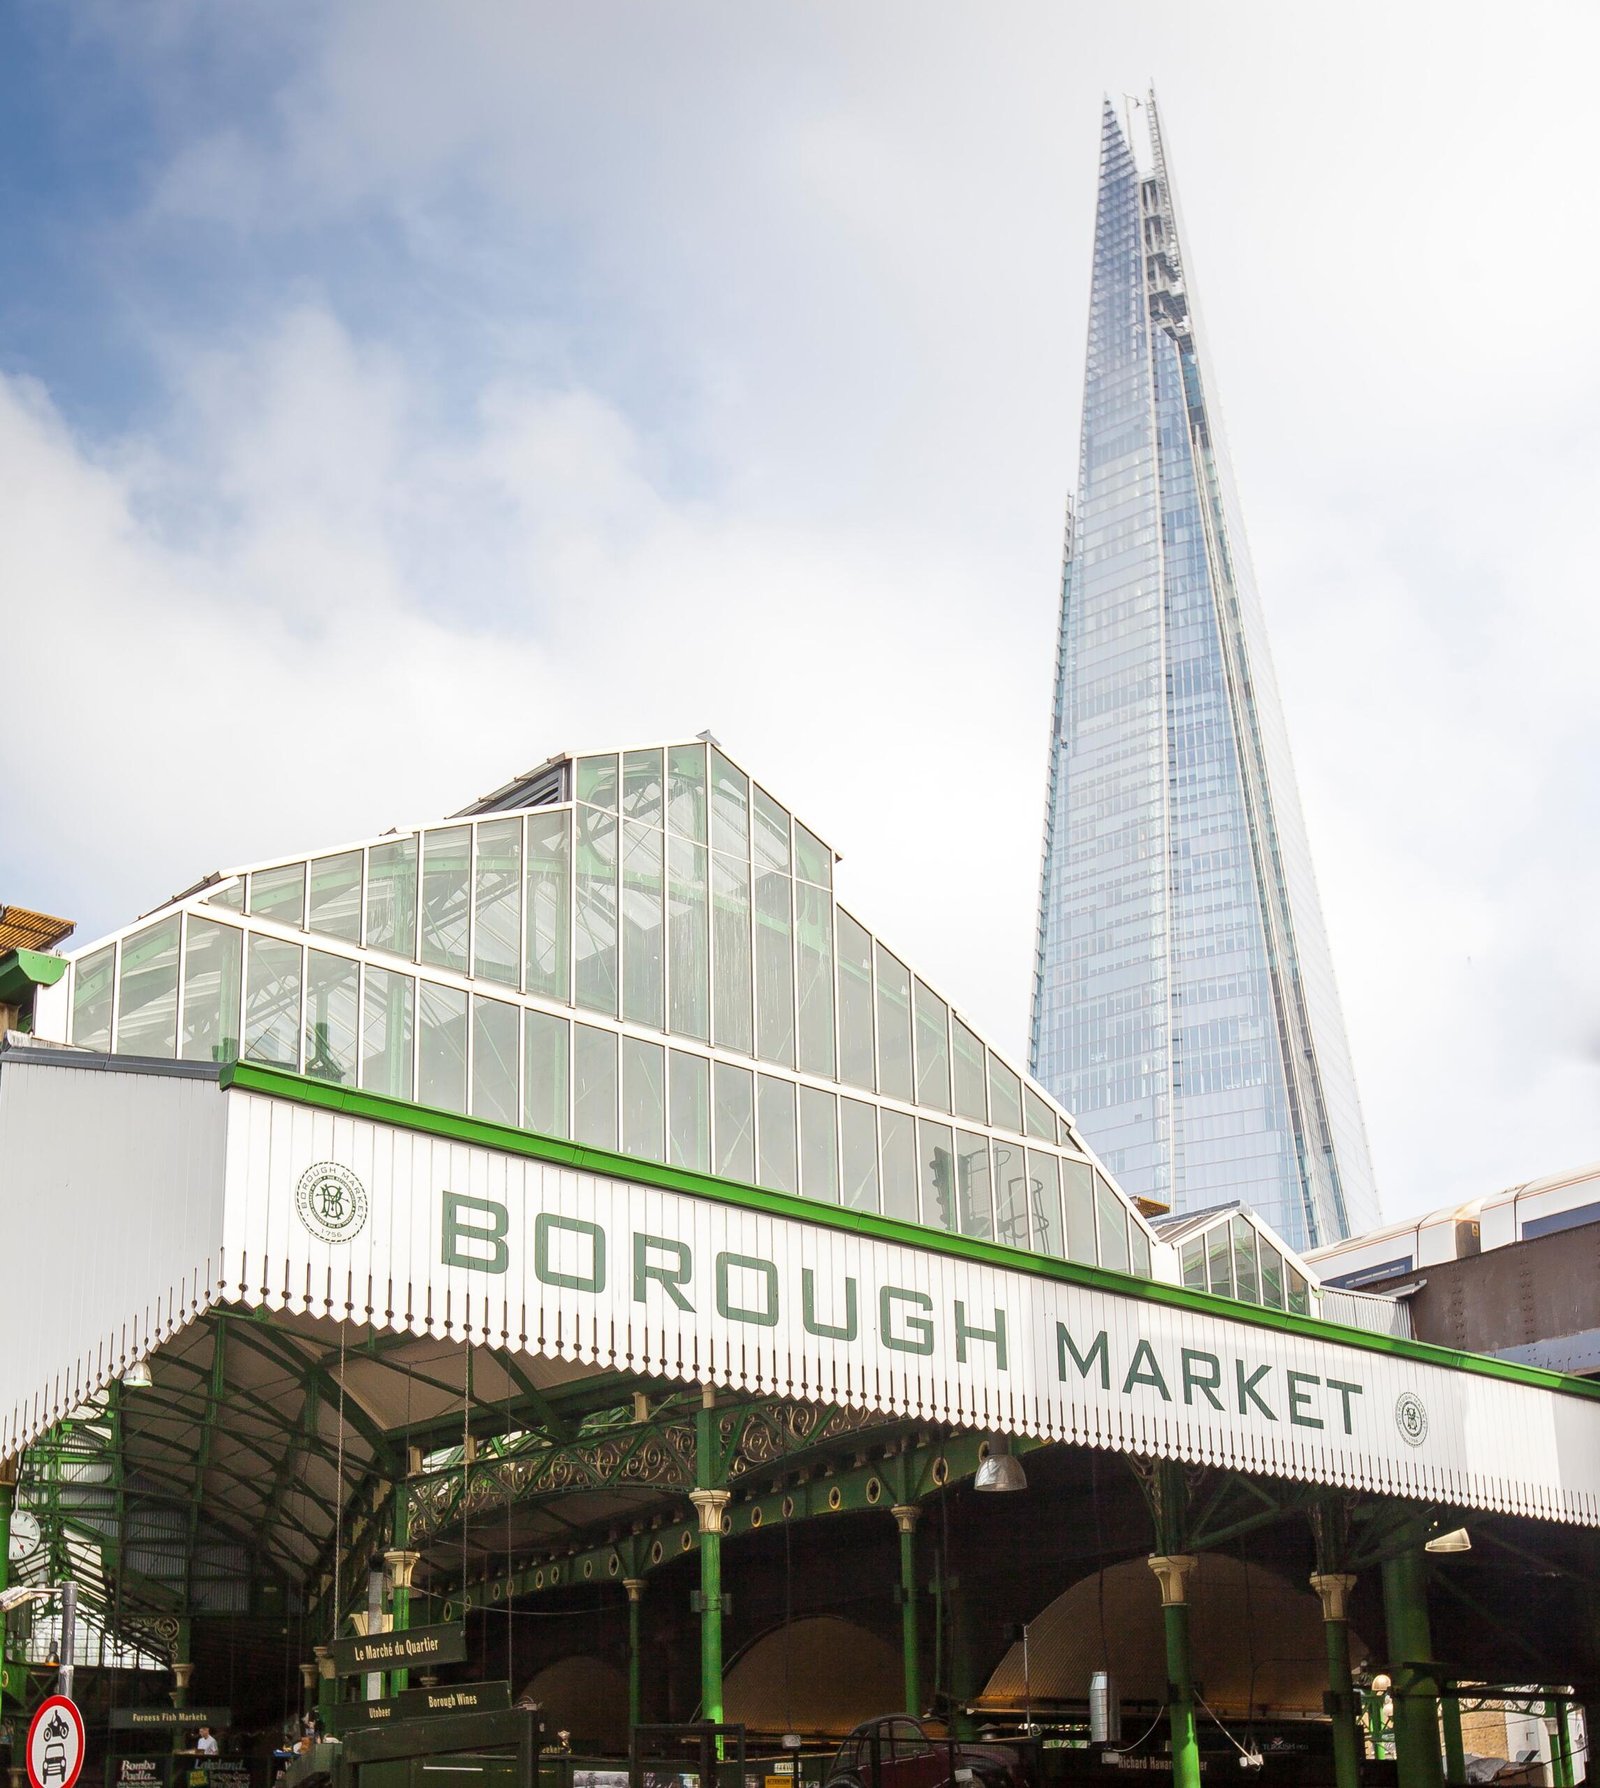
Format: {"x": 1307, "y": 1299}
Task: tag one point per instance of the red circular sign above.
{"x": 55, "y": 1743}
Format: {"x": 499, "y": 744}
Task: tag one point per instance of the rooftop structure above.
{"x": 1184, "y": 1005}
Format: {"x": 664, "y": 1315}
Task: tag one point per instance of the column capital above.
{"x": 906, "y": 1515}
{"x": 1333, "y": 1591}
{"x": 182, "y": 1675}
{"x": 711, "y": 1503}
{"x": 308, "y": 1676}
{"x": 1172, "y": 1570}
{"x": 635, "y": 1588}
{"x": 402, "y": 1564}
{"x": 324, "y": 1657}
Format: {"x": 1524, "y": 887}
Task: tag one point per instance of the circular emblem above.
{"x": 1411, "y": 1418}
{"x": 331, "y": 1202}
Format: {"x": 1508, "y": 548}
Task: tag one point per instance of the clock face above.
{"x": 24, "y": 1534}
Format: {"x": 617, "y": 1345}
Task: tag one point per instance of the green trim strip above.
{"x": 279, "y": 1083}
{"x": 22, "y": 969}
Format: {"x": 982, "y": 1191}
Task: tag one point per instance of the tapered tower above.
{"x": 1184, "y": 1005}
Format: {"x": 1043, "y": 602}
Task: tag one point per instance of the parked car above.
{"x": 896, "y": 1751}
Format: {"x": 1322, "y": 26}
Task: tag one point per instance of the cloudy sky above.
{"x": 392, "y": 394}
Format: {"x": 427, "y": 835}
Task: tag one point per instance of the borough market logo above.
{"x": 331, "y": 1202}
{"x": 1411, "y": 1418}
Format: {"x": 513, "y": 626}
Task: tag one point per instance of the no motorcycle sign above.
{"x": 55, "y": 1744}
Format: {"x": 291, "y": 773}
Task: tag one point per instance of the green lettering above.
{"x": 1346, "y": 1392}
{"x": 465, "y": 1243}
{"x": 1299, "y": 1401}
{"x": 1248, "y": 1393}
{"x": 1150, "y": 1375}
{"x": 1065, "y": 1345}
{"x": 808, "y": 1309}
{"x": 997, "y": 1335}
{"x": 673, "y": 1278}
{"x": 546, "y": 1274}
{"x": 1192, "y": 1381}
{"x": 767, "y": 1317}
{"x": 918, "y": 1325}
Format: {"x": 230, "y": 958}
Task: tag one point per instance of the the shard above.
{"x": 1184, "y": 1006}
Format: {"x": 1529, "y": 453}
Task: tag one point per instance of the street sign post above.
{"x": 55, "y": 1743}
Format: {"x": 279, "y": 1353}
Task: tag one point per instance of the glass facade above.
{"x": 1184, "y": 1007}
{"x": 656, "y": 964}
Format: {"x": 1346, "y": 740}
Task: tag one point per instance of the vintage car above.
{"x": 897, "y": 1751}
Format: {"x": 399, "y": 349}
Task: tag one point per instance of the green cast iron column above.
{"x": 1333, "y": 1591}
{"x": 1416, "y": 1703}
{"x": 635, "y": 1588}
{"x": 710, "y": 1503}
{"x": 402, "y": 1563}
{"x": 1172, "y": 1570}
{"x": 327, "y": 1686}
{"x": 1560, "y": 1744}
{"x": 1455, "y": 1750}
{"x": 906, "y": 1517}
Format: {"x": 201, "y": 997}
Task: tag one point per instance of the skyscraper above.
{"x": 1184, "y": 1007}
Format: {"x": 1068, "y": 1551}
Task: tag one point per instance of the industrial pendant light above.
{"x": 1457, "y": 1540}
{"x": 1000, "y": 1470}
{"x": 137, "y": 1377}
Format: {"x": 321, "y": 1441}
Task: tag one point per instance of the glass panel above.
{"x": 595, "y": 936}
{"x": 1138, "y": 1250}
{"x": 597, "y": 781}
{"x": 544, "y": 1073}
{"x": 735, "y": 1134}
{"x": 641, "y": 787}
{"x": 644, "y": 1099}
{"x": 819, "y": 1145}
{"x": 813, "y": 861}
{"x": 774, "y": 968}
{"x": 147, "y": 999}
{"x": 1077, "y": 1198}
{"x": 1014, "y": 1193}
{"x": 894, "y": 1026}
{"x": 333, "y": 1017}
{"x": 446, "y": 863}
{"x": 813, "y": 924}
{"x": 644, "y": 967}
{"x": 212, "y": 955}
{"x": 686, "y": 791}
{"x": 1299, "y": 1292}
{"x": 392, "y": 897}
{"x": 899, "y": 1132}
{"x": 594, "y": 1086}
{"x": 936, "y": 1177}
{"x": 975, "y": 1190}
{"x": 966, "y": 1057}
{"x": 272, "y": 1002}
{"x": 497, "y": 912}
{"x": 690, "y": 950}
{"x": 1219, "y": 1259}
{"x": 228, "y": 894}
{"x": 1005, "y": 1097}
{"x": 775, "y": 1135}
{"x": 1271, "y": 1275}
{"x": 386, "y": 1033}
{"x": 548, "y": 920}
{"x": 689, "y": 1103}
{"x": 279, "y": 894}
{"x": 933, "y": 1049}
{"x": 730, "y": 808}
{"x": 730, "y": 952}
{"x": 1044, "y": 1192}
{"x": 769, "y": 837}
{"x": 1246, "y": 1282}
{"x": 855, "y": 1004}
{"x": 91, "y": 999}
{"x": 442, "y": 1047}
{"x": 335, "y": 907}
{"x": 1113, "y": 1215}
{"x": 494, "y": 1059}
{"x": 858, "y": 1142}
{"x": 1192, "y": 1263}
{"x": 1040, "y": 1119}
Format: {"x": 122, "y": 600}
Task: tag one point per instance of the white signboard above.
{"x": 341, "y": 1216}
